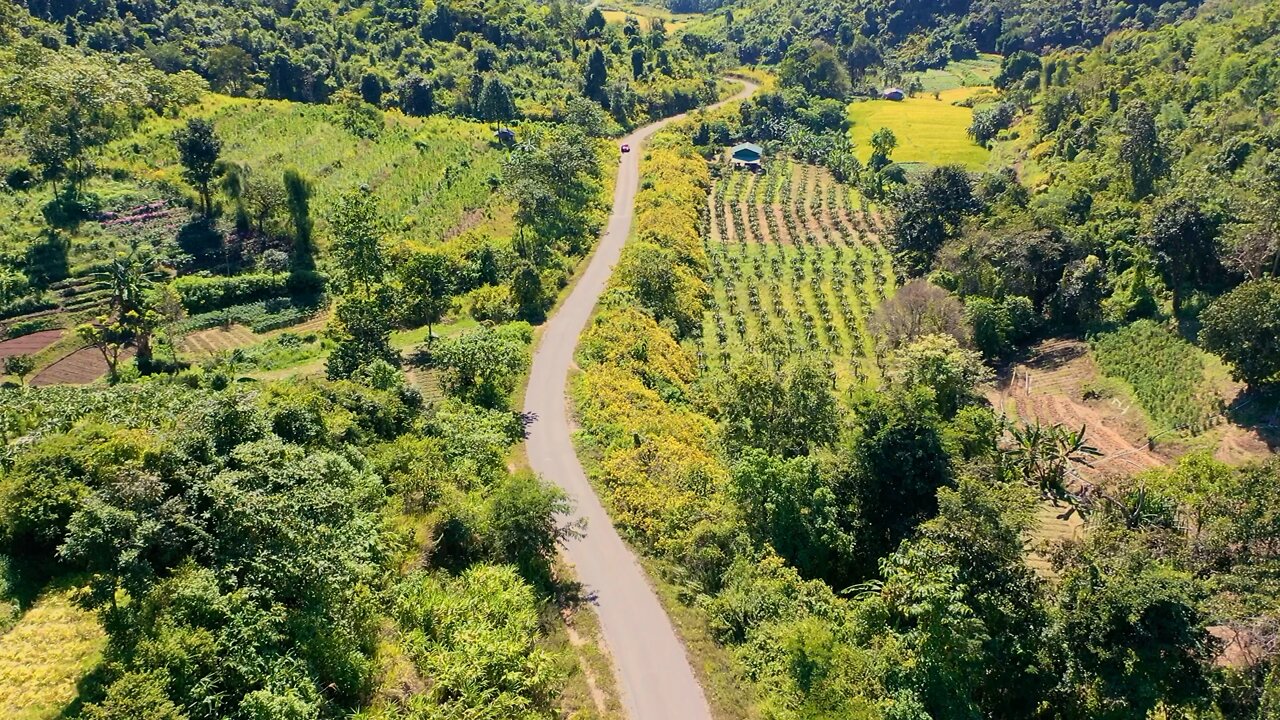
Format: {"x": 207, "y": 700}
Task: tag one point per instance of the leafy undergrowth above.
{"x": 1165, "y": 371}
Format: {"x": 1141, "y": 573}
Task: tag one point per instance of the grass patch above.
{"x": 1167, "y": 373}
{"x": 928, "y": 130}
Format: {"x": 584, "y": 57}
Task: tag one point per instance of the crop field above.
{"x": 617, "y": 12}
{"x": 794, "y": 260}
{"x": 429, "y": 173}
{"x": 29, "y": 344}
{"x": 928, "y": 130}
{"x": 77, "y": 368}
{"x": 45, "y": 655}
{"x": 1165, "y": 372}
{"x": 961, "y": 73}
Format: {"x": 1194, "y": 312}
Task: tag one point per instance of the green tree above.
{"x": 1129, "y": 637}
{"x": 481, "y": 366}
{"x": 789, "y": 505}
{"x": 817, "y": 68}
{"x": 357, "y": 246}
{"x": 596, "y": 76}
{"x": 966, "y": 609}
{"x": 937, "y": 362}
{"x": 416, "y": 96}
{"x": 1141, "y": 150}
{"x": 361, "y": 330}
{"x": 891, "y": 465}
{"x": 19, "y": 366}
{"x": 298, "y": 191}
{"x": 427, "y": 282}
{"x": 135, "y": 695}
{"x": 883, "y": 142}
{"x": 927, "y": 212}
{"x": 1243, "y": 327}
{"x": 1184, "y": 242}
{"x": 494, "y": 102}
{"x": 199, "y": 149}
{"x": 785, "y": 407}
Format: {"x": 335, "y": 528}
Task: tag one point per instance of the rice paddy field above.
{"x": 795, "y": 259}
{"x": 45, "y": 655}
{"x": 932, "y": 131}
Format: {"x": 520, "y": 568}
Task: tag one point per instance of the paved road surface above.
{"x": 653, "y": 672}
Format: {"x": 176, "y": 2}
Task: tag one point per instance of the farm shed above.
{"x": 893, "y": 93}
{"x": 747, "y": 155}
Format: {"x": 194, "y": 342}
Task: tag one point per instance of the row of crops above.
{"x": 795, "y": 264}
{"x": 1165, "y": 371}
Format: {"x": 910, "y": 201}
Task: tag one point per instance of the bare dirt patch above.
{"x": 78, "y": 368}
{"x": 29, "y": 344}
{"x": 1049, "y": 387}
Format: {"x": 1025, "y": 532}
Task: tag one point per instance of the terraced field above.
{"x": 29, "y": 344}
{"x": 795, "y": 260}
{"x": 80, "y": 367}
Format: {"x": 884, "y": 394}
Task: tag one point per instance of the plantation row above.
{"x": 793, "y": 264}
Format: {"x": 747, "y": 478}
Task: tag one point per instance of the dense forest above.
{"x": 898, "y": 437}
{"x": 904, "y": 36}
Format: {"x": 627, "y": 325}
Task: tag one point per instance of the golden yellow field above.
{"x": 44, "y": 656}
{"x": 928, "y": 130}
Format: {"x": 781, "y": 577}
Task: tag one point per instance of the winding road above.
{"x": 653, "y": 672}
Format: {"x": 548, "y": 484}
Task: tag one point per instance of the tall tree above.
{"x": 1183, "y": 241}
{"x": 1140, "y": 148}
{"x": 357, "y": 246}
{"x": 427, "y": 280}
{"x": 1243, "y": 327}
{"x": 297, "y": 190}
{"x": 494, "y": 102}
{"x": 596, "y": 76}
{"x": 199, "y": 149}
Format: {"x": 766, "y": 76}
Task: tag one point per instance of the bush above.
{"x": 203, "y": 294}
{"x": 27, "y": 327}
{"x": 25, "y": 306}
{"x": 260, "y": 317}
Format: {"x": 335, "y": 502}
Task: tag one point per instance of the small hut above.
{"x": 505, "y": 135}
{"x": 893, "y": 93}
{"x": 747, "y": 155}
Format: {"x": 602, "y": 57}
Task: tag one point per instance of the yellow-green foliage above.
{"x": 45, "y": 655}
{"x": 664, "y": 266}
{"x": 426, "y": 172}
{"x": 928, "y": 130}
{"x": 629, "y": 339}
{"x": 671, "y": 200}
{"x": 657, "y": 461}
{"x": 1165, "y": 371}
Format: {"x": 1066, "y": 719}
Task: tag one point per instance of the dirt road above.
{"x": 653, "y": 672}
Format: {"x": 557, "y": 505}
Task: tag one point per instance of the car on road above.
{"x": 626, "y": 148}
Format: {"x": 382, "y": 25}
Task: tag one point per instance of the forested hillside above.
{"x": 868, "y": 36}
{"x": 863, "y": 554}
{"x": 491, "y": 60}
